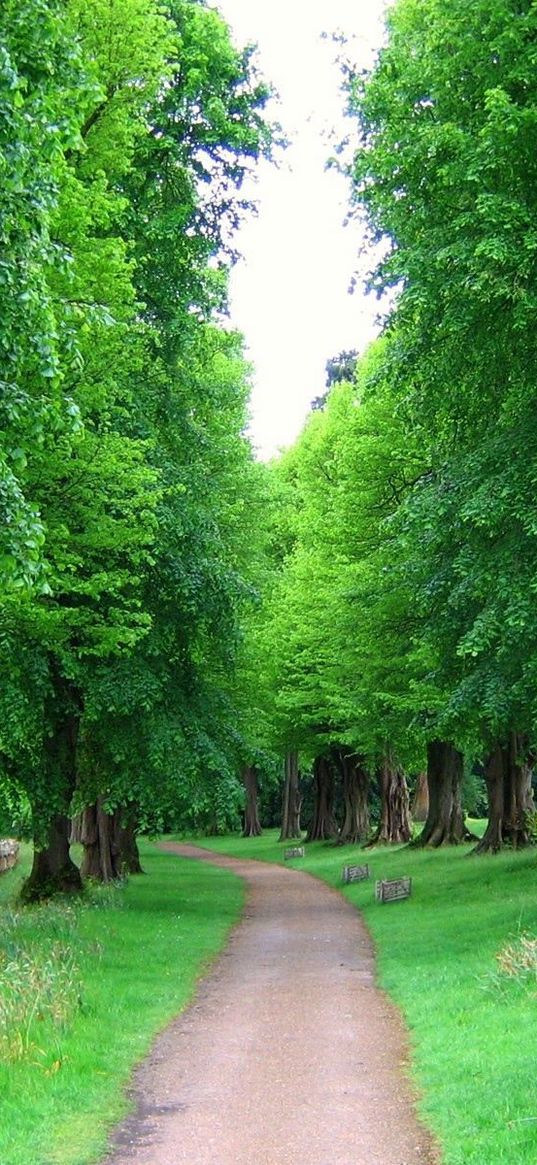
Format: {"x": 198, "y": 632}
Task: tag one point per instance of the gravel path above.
{"x": 289, "y": 1054}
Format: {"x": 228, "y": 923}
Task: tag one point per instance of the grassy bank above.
{"x": 455, "y": 959}
{"x": 83, "y": 990}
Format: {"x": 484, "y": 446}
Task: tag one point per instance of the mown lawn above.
{"x": 473, "y": 1027}
{"x": 83, "y": 990}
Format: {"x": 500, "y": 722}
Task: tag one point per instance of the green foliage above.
{"x": 42, "y": 92}
{"x": 119, "y": 642}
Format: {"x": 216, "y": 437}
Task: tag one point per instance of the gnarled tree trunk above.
{"x": 109, "y": 840}
{"x": 518, "y": 796}
{"x": 53, "y": 871}
{"x": 355, "y": 783}
{"x": 445, "y": 819}
{"x": 252, "y": 827}
{"x": 291, "y": 799}
{"x": 394, "y": 826}
{"x": 420, "y": 801}
{"x": 510, "y": 797}
{"x": 324, "y": 825}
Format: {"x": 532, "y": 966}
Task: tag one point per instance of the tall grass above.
{"x": 84, "y": 987}
{"x": 460, "y": 959}
{"x": 40, "y": 982}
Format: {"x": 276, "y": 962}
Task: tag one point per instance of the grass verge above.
{"x": 460, "y": 960}
{"x": 84, "y": 988}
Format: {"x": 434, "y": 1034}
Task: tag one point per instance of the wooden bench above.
{"x": 394, "y": 890}
{"x": 297, "y": 851}
{"x": 354, "y": 873}
{"x": 9, "y": 852}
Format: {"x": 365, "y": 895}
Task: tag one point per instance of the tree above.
{"x": 128, "y": 649}
{"x": 177, "y": 708}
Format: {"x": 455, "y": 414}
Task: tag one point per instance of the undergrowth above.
{"x": 40, "y": 981}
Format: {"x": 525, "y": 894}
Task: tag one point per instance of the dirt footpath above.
{"x": 289, "y": 1054}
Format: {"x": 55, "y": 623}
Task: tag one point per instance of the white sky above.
{"x": 289, "y": 295}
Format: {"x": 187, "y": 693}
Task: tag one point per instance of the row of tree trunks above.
{"x": 291, "y": 798}
{"x": 110, "y": 852}
{"x": 252, "y": 827}
{"x": 510, "y": 798}
{"x": 437, "y": 800}
{"x": 394, "y": 823}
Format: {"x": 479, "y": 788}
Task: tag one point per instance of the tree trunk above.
{"x": 129, "y": 853}
{"x": 323, "y": 826}
{"x": 252, "y": 828}
{"x": 355, "y": 783}
{"x": 491, "y": 841}
{"x": 291, "y": 799}
{"x": 519, "y": 805}
{"x": 445, "y": 819}
{"x": 510, "y": 798}
{"x": 75, "y": 832}
{"x": 420, "y": 800}
{"x": 52, "y": 871}
{"x": 394, "y": 827}
{"x": 102, "y": 860}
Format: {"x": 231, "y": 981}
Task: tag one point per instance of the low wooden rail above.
{"x": 354, "y": 873}
{"x": 394, "y": 890}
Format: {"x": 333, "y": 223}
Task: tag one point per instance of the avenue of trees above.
{"x": 178, "y": 621}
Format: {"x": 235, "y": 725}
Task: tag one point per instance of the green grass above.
{"x": 473, "y": 1029}
{"x": 129, "y": 959}
{"x": 132, "y": 957}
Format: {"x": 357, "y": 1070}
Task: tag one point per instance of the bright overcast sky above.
{"x": 289, "y": 294}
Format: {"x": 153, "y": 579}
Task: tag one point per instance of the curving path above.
{"x": 289, "y": 1054}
